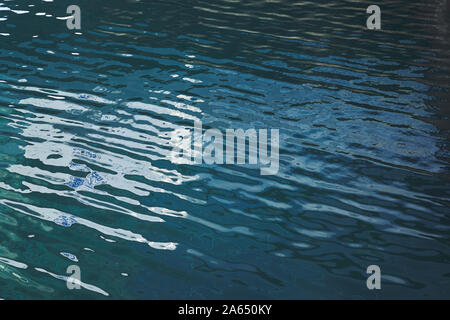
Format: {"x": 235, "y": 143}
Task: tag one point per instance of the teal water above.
{"x": 86, "y": 178}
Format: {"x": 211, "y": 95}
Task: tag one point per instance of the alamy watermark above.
{"x": 374, "y": 280}
{"x": 74, "y": 21}
{"x": 74, "y": 281}
{"x": 374, "y": 20}
{"x": 216, "y": 147}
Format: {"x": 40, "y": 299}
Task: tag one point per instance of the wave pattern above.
{"x": 86, "y": 178}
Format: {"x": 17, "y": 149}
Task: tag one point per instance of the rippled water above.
{"x": 86, "y": 178}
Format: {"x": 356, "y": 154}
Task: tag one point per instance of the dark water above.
{"x": 85, "y": 175}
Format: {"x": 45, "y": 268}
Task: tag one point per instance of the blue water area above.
{"x": 87, "y": 177}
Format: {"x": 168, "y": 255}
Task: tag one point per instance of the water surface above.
{"x": 85, "y": 171}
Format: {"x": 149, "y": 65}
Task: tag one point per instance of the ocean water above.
{"x": 86, "y": 177}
